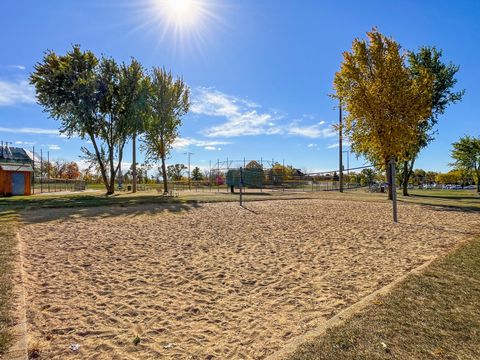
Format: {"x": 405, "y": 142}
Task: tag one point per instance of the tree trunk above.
{"x": 164, "y": 175}
{"x": 478, "y": 180}
{"x": 111, "y": 187}
{"x": 407, "y": 174}
{"x": 406, "y": 177}
{"x": 100, "y": 162}
{"x": 389, "y": 179}
{"x": 134, "y": 165}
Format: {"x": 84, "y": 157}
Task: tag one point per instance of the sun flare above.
{"x": 188, "y": 25}
{"x": 181, "y": 12}
{"x": 180, "y": 7}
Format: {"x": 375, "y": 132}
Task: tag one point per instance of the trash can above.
{"x": 129, "y": 187}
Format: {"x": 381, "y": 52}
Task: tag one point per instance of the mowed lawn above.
{"x": 7, "y": 258}
{"x": 435, "y": 315}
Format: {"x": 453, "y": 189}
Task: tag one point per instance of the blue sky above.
{"x": 260, "y": 71}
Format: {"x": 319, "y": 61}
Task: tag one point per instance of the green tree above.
{"x": 466, "y": 153}
{"x": 452, "y": 177}
{"x": 253, "y": 165}
{"x": 282, "y": 172}
{"x": 174, "y": 172}
{"x": 430, "y": 176}
{"x": 114, "y": 127}
{"x": 87, "y": 96}
{"x": 419, "y": 176}
{"x": 142, "y": 172}
{"x": 442, "y": 95}
{"x": 367, "y": 177}
{"x": 134, "y": 89}
{"x": 197, "y": 174}
{"x": 168, "y": 101}
{"x": 385, "y": 102}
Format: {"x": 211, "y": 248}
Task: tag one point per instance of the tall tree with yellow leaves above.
{"x": 384, "y": 102}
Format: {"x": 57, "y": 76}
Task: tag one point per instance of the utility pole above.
{"x": 340, "y": 152}
{"x": 189, "y": 153}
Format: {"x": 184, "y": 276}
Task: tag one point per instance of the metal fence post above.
{"x": 241, "y": 186}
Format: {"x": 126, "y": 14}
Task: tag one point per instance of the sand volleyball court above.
{"x": 214, "y": 281}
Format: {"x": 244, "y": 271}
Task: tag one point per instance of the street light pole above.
{"x": 188, "y": 153}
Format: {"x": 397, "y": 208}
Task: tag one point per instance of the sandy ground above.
{"x": 214, "y": 281}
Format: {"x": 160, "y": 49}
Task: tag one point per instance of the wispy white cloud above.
{"x": 25, "y": 143}
{"x": 312, "y": 145}
{"x": 244, "y": 118}
{"x": 18, "y": 67}
{"x": 212, "y": 148}
{"x": 182, "y": 143}
{"x": 83, "y": 165}
{"x": 336, "y": 145}
{"x": 31, "y": 131}
{"x": 12, "y": 93}
{"x": 311, "y": 131}
{"x": 53, "y": 147}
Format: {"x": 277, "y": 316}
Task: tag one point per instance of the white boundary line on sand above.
{"x": 342, "y": 316}
{"x": 19, "y": 351}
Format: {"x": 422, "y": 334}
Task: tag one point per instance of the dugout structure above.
{"x": 16, "y": 169}
{"x": 251, "y": 178}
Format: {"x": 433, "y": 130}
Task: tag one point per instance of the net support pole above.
{"x": 48, "y": 170}
{"x": 340, "y": 150}
{"x": 241, "y": 186}
{"x": 393, "y": 185}
{"x": 41, "y": 171}
{"x": 263, "y": 175}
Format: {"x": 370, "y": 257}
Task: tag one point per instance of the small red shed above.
{"x": 16, "y": 168}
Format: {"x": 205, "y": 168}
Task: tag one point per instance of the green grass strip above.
{"x": 7, "y": 254}
{"x": 434, "y": 315}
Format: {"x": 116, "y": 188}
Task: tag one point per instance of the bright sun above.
{"x": 179, "y": 7}
{"x": 181, "y": 12}
{"x": 188, "y": 24}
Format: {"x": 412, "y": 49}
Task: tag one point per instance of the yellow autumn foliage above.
{"x": 384, "y": 102}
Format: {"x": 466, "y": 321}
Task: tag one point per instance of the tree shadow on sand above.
{"x": 45, "y": 210}
{"x": 445, "y": 203}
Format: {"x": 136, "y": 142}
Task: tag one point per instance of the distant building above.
{"x": 297, "y": 173}
{"x": 16, "y": 168}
